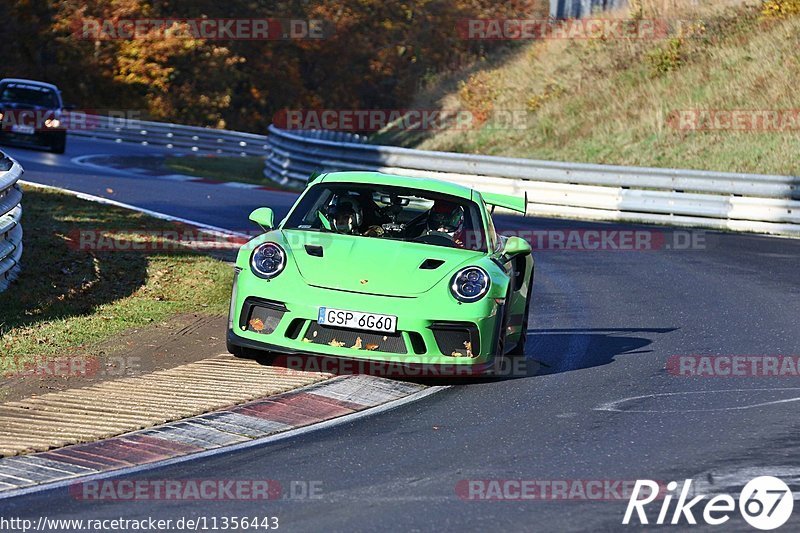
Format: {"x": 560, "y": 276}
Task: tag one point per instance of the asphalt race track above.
{"x": 601, "y": 406}
{"x": 219, "y": 206}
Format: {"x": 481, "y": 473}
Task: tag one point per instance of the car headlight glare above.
{"x": 470, "y": 284}
{"x": 268, "y": 260}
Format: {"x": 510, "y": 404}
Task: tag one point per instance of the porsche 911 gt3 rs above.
{"x": 370, "y": 266}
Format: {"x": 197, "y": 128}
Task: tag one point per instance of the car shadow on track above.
{"x": 553, "y": 351}
{"x": 550, "y": 351}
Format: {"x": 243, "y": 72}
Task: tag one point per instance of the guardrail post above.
{"x": 10, "y": 220}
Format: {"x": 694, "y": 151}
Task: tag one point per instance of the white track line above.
{"x": 81, "y": 162}
{"x": 155, "y": 214}
{"x": 616, "y": 405}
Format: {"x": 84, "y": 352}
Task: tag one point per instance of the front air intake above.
{"x": 457, "y": 339}
{"x": 261, "y": 316}
{"x": 431, "y": 264}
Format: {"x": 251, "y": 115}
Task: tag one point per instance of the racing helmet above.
{"x": 445, "y": 217}
{"x": 345, "y": 215}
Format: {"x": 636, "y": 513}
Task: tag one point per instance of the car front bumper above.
{"x": 40, "y": 138}
{"x": 432, "y": 328}
{"x": 314, "y": 361}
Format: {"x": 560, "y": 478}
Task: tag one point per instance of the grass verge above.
{"x": 614, "y": 101}
{"x": 218, "y": 168}
{"x": 240, "y": 169}
{"x": 69, "y": 296}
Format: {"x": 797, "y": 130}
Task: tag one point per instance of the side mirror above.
{"x": 515, "y": 246}
{"x": 264, "y": 217}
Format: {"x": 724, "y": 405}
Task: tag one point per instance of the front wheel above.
{"x": 59, "y": 146}
{"x": 234, "y": 350}
{"x": 519, "y": 349}
{"x": 500, "y": 359}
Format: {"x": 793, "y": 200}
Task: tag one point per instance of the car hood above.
{"x": 372, "y": 265}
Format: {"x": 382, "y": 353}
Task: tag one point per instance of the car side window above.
{"x": 494, "y": 241}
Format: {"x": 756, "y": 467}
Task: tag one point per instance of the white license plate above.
{"x": 21, "y": 128}
{"x": 329, "y": 316}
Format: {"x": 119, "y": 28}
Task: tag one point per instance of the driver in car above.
{"x": 446, "y": 219}
{"x": 345, "y": 215}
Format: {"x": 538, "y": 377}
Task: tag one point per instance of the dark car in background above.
{"x": 32, "y": 114}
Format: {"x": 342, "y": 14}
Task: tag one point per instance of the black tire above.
{"x": 519, "y": 349}
{"x": 248, "y": 353}
{"x": 59, "y": 146}
{"x": 234, "y": 350}
{"x": 500, "y": 360}
{"x": 500, "y": 347}
{"x": 254, "y": 355}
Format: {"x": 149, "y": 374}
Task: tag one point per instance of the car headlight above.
{"x": 52, "y": 123}
{"x": 268, "y": 260}
{"x": 470, "y": 284}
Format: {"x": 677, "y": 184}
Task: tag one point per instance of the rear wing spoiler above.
{"x": 514, "y": 203}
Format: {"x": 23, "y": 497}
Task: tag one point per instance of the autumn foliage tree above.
{"x": 374, "y": 55}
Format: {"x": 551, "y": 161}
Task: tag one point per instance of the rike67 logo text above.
{"x": 765, "y": 503}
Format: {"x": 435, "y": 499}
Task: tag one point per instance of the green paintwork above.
{"x": 515, "y": 203}
{"x": 383, "y": 276}
{"x": 377, "y": 178}
{"x": 385, "y": 263}
{"x": 264, "y": 217}
{"x": 515, "y": 246}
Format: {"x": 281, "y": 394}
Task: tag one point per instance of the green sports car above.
{"x": 372, "y": 267}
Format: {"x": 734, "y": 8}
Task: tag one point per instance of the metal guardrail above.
{"x": 165, "y": 135}
{"x": 733, "y": 201}
{"x": 178, "y": 137}
{"x": 562, "y": 9}
{"x": 10, "y": 216}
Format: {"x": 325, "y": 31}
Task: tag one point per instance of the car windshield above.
{"x": 28, "y": 94}
{"x": 385, "y": 212}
